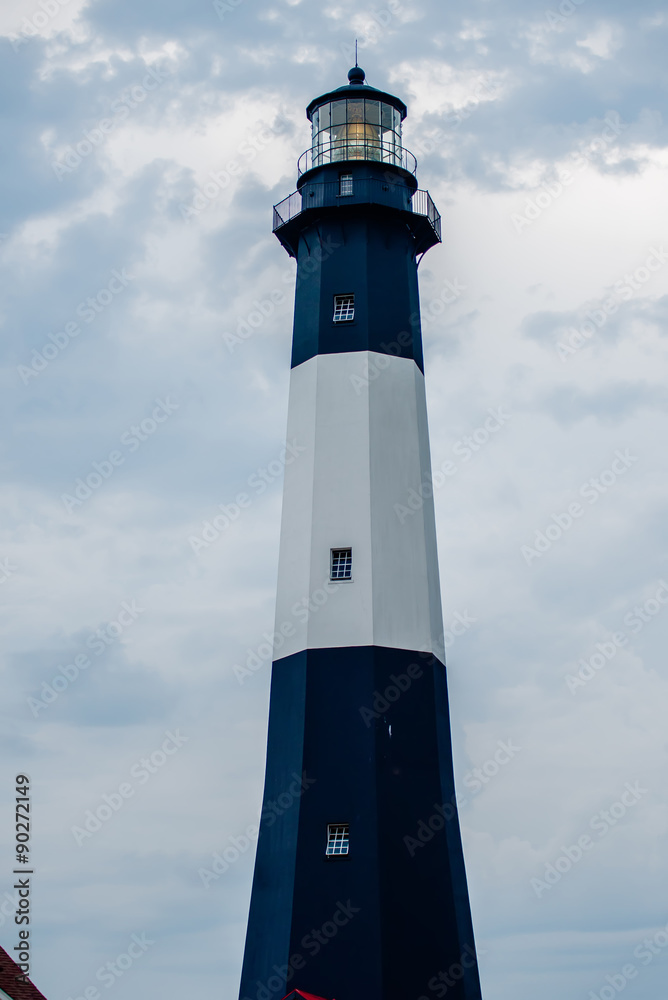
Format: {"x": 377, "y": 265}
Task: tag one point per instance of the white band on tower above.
{"x": 361, "y": 480}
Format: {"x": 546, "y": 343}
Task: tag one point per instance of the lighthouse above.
{"x": 359, "y": 890}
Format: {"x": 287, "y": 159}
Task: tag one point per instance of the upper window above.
{"x": 342, "y": 564}
{"x": 338, "y": 839}
{"x": 344, "y": 308}
{"x": 356, "y": 129}
{"x": 345, "y": 184}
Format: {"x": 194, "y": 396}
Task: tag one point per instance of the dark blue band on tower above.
{"x": 272, "y": 901}
{"x": 354, "y": 230}
{"x": 367, "y": 731}
{"x": 378, "y": 268}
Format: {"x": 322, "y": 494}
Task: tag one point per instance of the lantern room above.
{"x": 356, "y": 122}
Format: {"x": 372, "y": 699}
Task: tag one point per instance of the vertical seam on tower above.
{"x": 311, "y": 526}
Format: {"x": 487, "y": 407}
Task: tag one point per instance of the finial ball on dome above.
{"x": 356, "y": 75}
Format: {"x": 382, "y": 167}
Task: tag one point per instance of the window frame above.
{"x": 337, "y": 301}
{"x": 349, "y": 559}
{"x": 333, "y": 841}
{"x": 349, "y": 185}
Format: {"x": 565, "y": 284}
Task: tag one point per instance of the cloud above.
{"x": 176, "y": 194}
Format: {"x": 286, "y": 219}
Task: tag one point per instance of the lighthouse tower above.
{"x": 359, "y": 890}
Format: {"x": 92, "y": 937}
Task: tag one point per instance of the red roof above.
{"x": 296, "y": 994}
{"x": 11, "y": 980}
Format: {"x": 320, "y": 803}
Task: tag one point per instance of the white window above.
{"x": 345, "y": 184}
{"x": 338, "y": 839}
{"x": 342, "y": 564}
{"x": 344, "y": 308}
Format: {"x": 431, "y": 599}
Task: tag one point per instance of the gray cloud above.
{"x": 196, "y": 279}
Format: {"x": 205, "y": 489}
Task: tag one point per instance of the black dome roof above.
{"x": 357, "y": 88}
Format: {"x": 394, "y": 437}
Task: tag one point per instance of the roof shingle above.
{"x": 11, "y": 980}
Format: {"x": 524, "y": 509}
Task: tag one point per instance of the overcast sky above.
{"x": 144, "y": 144}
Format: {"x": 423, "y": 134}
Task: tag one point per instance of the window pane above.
{"x": 338, "y": 839}
{"x": 386, "y": 116}
{"x": 355, "y": 111}
{"x": 344, "y": 308}
{"x": 345, "y": 184}
{"x": 372, "y": 112}
{"x": 342, "y": 564}
{"x": 323, "y": 112}
{"x": 338, "y": 112}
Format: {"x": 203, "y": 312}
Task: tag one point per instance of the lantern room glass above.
{"x": 356, "y": 129}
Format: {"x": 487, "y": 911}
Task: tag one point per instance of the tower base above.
{"x": 359, "y": 736}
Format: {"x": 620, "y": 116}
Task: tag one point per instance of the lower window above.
{"x": 338, "y": 839}
{"x": 344, "y": 308}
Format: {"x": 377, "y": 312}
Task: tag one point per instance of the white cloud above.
{"x": 604, "y": 41}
